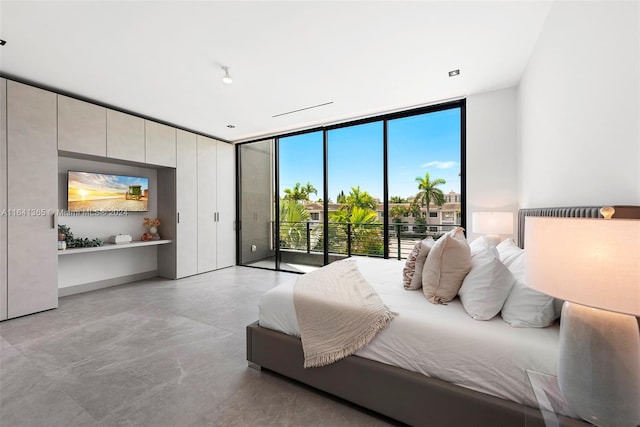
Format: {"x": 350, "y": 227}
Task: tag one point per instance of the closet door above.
{"x": 226, "y": 205}
{"x": 187, "y": 204}
{"x": 3, "y": 199}
{"x": 32, "y": 199}
{"x": 207, "y": 212}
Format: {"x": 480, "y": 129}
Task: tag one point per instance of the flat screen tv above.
{"x": 101, "y": 192}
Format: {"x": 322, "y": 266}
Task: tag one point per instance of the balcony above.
{"x": 303, "y": 242}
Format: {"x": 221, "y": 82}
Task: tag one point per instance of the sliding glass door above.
{"x": 301, "y": 202}
{"x": 369, "y": 188}
{"x": 256, "y": 205}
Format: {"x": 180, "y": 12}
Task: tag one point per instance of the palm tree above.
{"x": 293, "y": 224}
{"x": 397, "y": 199}
{"x": 361, "y": 199}
{"x": 366, "y": 236}
{"x": 308, "y": 189}
{"x": 300, "y": 192}
{"x": 428, "y": 193}
{"x": 294, "y": 194}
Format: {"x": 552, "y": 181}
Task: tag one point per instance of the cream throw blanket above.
{"x": 338, "y": 312}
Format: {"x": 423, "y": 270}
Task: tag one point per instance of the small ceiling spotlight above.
{"x": 2, "y": 42}
{"x": 454, "y": 73}
{"x": 227, "y": 78}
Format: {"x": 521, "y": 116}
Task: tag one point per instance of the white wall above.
{"x": 492, "y": 175}
{"x": 579, "y": 111}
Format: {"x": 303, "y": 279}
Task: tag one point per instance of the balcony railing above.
{"x": 356, "y": 238}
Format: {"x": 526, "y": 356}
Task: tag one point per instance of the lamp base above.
{"x": 599, "y": 367}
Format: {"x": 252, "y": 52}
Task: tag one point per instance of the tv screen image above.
{"x": 94, "y": 192}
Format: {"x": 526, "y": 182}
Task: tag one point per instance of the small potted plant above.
{"x": 152, "y": 233}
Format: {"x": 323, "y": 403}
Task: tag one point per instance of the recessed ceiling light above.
{"x": 231, "y": 126}
{"x": 453, "y": 73}
{"x": 2, "y": 42}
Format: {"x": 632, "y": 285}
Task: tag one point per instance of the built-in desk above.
{"x": 112, "y": 246}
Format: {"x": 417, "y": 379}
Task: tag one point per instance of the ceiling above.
{"x": 163, "y": 59}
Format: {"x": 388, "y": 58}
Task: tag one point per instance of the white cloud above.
{"x": 440, "y": 165}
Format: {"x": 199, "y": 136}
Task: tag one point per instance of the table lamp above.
{"x": 594, "y": 265}
{"x": 492, "y": 224}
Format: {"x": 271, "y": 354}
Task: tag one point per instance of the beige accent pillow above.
{"x": 446, "y": 266}
{"x": 412, "y": 272}
{"x": 410, "y": 266}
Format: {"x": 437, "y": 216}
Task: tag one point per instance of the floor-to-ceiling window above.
{"x": 424, "y": 177}
{"x": 355, "y": 179}
{"x": 372, "y": 187}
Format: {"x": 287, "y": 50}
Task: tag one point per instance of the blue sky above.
{"x": 417, "y": 144}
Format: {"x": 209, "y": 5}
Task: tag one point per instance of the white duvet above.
{"x": 439, "y": 341}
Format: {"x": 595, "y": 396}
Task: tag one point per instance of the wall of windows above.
{"x": 372, "y": 187}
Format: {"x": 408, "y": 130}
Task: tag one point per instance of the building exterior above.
{"x": 441, "y": 218}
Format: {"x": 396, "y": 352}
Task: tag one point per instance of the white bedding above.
{"x": 439, "y": 341}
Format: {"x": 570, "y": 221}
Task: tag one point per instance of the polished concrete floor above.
{"x": 155, "y": 353}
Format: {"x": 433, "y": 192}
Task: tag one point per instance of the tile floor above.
{"x": 155, "y": 353}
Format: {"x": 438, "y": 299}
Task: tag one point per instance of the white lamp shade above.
{"x": 492, "y": 222}
{"x": 593, "y": 262}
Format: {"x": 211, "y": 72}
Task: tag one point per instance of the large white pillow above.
{"x": 508, "y": 251}
{"x": 447, "y": 265}
{"x": 525, "y": 307}
{"x": 478, "y": 245}
{"x": 487, "y": 286}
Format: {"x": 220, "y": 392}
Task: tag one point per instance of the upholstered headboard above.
{"x": 572, "y": 212}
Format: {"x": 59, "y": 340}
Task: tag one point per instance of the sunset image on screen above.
{"x": 101, "y": 192}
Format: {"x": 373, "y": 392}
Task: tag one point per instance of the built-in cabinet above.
{"x": 32, "y": 200}
{"x": 82, "y": 127}
{"x": 205, "y": 206}
{"x": 216, "y": 204}
{"x": 225, "y": 205}
{"x": 195, "y": 176}
{"x": 160, "y": 143}
{"x": 186, "y": 205}
{"x": 125, "y": 137}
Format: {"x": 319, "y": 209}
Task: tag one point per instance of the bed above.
{"x": 403, "y": 384}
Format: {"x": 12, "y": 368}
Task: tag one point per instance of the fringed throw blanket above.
{"x": 338, "y": 312}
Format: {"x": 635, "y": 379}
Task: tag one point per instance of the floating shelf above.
{"x": 111, "y": 246}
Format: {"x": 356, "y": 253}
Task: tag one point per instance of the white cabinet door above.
{"x": 32, "y": 197}
{"x": 3, "y": 199}
{"x": 82, "y": 127}
{"x": 160, "y": 144}
{"x": 187, "y": 204}
{"x": 226, "y": 205}
{"x": 207, "y": 212}
{"x": 125, "y": 136}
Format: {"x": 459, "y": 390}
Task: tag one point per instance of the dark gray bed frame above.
{"x": 407, "y": 396}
